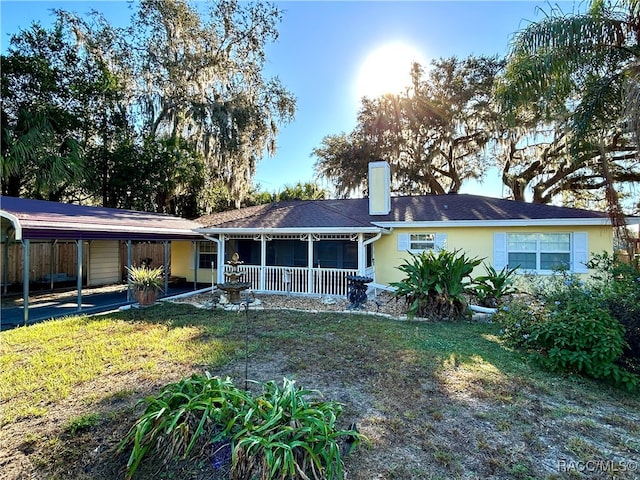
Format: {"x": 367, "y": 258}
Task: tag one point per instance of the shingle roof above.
{"x": 289, "y": 214}
{"x": 52, "y": 220}
{"x": 354, "y": 213}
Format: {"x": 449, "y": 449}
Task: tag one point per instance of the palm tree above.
{"x": 582, "y": 68}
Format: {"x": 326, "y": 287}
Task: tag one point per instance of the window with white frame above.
{"x": 539, "y": 251}
{"x": 419, "y": 242}
{"x": 422, "y": 241}
{"x": 207, "y": 254}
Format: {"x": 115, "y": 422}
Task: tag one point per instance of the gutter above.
{"x": 372, "y": 239}
{"x": 220, "y": 266}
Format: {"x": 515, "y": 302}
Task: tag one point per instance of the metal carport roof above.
{"x": 40, "y": 219}
{"x": 25, "y": 219}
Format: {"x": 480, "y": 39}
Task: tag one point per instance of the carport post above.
{"x": 79, "y": 273}
{"x": 195, "y": 265}
{"x": 129, "y": 254}
{"x": 166, "y": 267}
{"x": 5, "y": 261}
{"x": 51, "y": 255}
{"x": 25, "y": 279}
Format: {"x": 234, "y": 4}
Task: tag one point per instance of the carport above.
{"x": 26, "y": 220}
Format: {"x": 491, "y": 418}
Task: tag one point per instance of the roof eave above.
{"x": 525, "y": 222}
{"x": 288, "y": 230}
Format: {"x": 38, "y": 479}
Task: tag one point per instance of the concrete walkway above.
{"x": 46, "y": 306}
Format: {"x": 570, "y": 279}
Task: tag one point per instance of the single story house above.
{"x": 311, "y": 246}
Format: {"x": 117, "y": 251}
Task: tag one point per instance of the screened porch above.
{"x": 304, "y": 263}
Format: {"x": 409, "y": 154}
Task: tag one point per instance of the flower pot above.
{"x": 147, "y": 297}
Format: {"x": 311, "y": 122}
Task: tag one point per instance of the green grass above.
{"x": 43, "y": 363}
{"x": 444, "y": 400}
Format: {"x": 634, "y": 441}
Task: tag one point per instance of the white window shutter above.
{"x": 499, "y": 250}
{"x": 441, "y": 241}
{"x": 580, "y": 252}
{"x": 403, "y": 242}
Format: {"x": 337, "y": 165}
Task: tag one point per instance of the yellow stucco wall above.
{"x": 182, "y": 259}
{"x": 475, "y": 242}
{"x": 182, "y": 262}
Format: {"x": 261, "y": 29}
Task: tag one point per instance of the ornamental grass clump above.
{"x": 435, "y": 284}
{"x": 277, "y": 434}
{"x": 145, "y": 279}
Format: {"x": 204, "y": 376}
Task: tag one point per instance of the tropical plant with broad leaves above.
{"x": 493, "y": 286}
{"x": 436, "y": 283}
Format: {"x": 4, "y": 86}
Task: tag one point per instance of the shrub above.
{"x": 619, "y": 286}
{"x": 278, "y": 434}
{"x": 494, "y": 286}
{"x": 435, "y": 284}
{"x": 517, "y": 321}
{"x": 580, "y": 336}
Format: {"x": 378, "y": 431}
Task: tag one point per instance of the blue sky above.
{"x": 321, "y": 48}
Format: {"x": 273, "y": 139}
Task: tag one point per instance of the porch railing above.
{"x": 324, "y": 281}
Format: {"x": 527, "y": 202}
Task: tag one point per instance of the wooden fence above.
{"x": 60, "y": 260}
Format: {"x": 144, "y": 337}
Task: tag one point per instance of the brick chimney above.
{"x": 379, "y": 188}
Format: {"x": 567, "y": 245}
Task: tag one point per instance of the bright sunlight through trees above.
{"x": 387, "y": 69}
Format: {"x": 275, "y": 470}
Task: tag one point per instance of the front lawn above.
{"x": 435, "y": 400}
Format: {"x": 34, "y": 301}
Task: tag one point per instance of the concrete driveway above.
{"x": 46, "y": 306}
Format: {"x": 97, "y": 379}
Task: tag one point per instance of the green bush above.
{"x": 494, "y": 286}
{"x": 517, "y": 321}
{"x": 436, "y": 283}
{"x": 619, "y": 287}
{"x": 278, "y": 434}
{"x": 580, "y": 336}
{"x": 569, "y": 325}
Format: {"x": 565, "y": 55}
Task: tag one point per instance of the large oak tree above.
{"x": 433, "y": 135}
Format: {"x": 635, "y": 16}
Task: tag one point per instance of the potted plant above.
{"x": 146, "y": 282}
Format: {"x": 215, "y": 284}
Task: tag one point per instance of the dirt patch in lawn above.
{"x": 427, "y": 412}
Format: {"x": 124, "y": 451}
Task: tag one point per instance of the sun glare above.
{"x": 387, "y": 70}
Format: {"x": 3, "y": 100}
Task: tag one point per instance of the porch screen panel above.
{"x": 335, "y": 254}
{"x": 287, "y": 253}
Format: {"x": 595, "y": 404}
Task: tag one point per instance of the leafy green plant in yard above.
{"x": 146, "y": 279}
{"x": 568, "y": 325}
{"x": 517, "y": 321}
{"x": 286, "y": 436}
{"x": 184, "y": 414}
{"x": 494, "y": 286}
{"x": 83, "y": 422}
{"x": 278, "y": 434}
{"x": 619, "y": 286}
{"x": 436, "y": 283}
{"x": 581, "y": 336}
